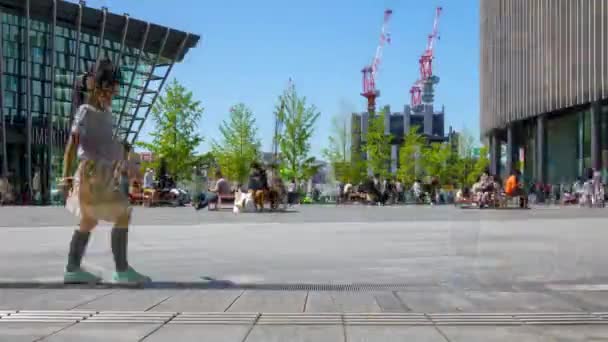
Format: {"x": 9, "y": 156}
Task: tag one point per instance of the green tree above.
{"x": 378, "y": 145}
{"x": 239, "y": 145}
{"x": 338, "y": 152}
{"x": 409, "y": 156}
{"x": 298, "y": 119}
{"x": 174, "y": 138}
{"x": 435, "y": 161}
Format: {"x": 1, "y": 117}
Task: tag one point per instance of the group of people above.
{"x": 391, "y": 190}
{"x": 488, "y": 190}
{"x": 586, "y": 192}
{"x": 259, "y": 188}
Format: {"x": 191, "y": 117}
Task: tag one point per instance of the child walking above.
{"x": 94, "y": 193}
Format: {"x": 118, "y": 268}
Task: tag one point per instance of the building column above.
{"x": 540, "y": 149}
{"x": 596, "y": 157}
{"x": 494, "y": 154}
{"x": 510, "y": 149}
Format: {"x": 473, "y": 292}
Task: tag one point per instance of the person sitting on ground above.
{"x": 221, "y": 188}
{"x": 513, "y": 188}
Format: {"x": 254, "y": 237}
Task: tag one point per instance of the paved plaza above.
{"x": 316, "y": 273}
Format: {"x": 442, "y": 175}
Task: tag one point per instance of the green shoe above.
{"x": 130, "y": 276}
{"x": 80, "y": 277}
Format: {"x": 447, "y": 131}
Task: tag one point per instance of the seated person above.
{"x": 463, "y": 194}
{"x": 489, "y": 191}
{"x": 417, "y": 191}
{"x": 277, "y": 191}
{"x": 258, "y": 184}
{"x": 221, "y": 188}
{"x": 513, "y": 188}
{"x": 477, "y": 189}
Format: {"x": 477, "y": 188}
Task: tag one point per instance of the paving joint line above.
{"x": 255, "y": 322}
{"x": 175, "y": 314}
{"x": 344, "y": 330}
{"x": 234, "y": 301}
{"x": 157, "y": 304}
{"x": 306, "y": 301}
{"x": 92, "y": 300}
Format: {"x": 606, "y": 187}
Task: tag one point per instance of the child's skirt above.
{"x": 96, "y": 194}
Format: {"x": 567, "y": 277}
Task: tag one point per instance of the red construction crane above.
{"x": 426, "y": 81}
{"x": 370, "y": 71}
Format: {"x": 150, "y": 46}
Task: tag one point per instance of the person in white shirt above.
{"x": 149, "y": 179}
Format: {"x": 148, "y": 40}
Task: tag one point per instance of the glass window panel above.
{"x": 36, "y": 88}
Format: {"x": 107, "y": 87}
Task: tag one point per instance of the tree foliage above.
{"x": 435, "y": 159}
{"x": 298, "y": 119}
{"x": 409, "y": 156}
{"x": 338, "y": 152}
{"x": 469, "y": 165}
{"x": 378, "y": 145}
{"x": 239, "y": 145}
{"x": 175, "y": 139}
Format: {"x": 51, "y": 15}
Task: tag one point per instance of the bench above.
{"x": 466, "y": 203}
{"x": 355, "y": 197}
{"x": 505, "y": 201}
{"x": 222, "y": 200}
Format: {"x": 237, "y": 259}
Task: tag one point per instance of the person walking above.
{"x": 93, "y": 192}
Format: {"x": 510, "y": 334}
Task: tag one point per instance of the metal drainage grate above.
{"x": 213, "y": 284}
{"x": 216, "y": 318}
{"x": 326, "y": 287}
{"x": 47, "y": 316}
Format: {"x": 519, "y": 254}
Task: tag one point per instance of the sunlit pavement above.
{"x": 316, "y": 274}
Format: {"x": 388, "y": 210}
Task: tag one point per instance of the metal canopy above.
{"x": 68, "y": 11}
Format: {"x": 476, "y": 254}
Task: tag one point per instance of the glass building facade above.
{"x": 45, "y": 45}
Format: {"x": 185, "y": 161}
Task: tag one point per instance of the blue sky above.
{"x": 249, "y": 49}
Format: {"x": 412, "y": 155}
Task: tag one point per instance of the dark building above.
{"x": 45, "y": 45}
{"x": 430, "y": 123}
{"x": 544, "y": 87}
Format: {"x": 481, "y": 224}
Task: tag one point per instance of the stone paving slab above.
{"x": 19, "y": 332}
{"x": 392, "y": 334}
{"x": 265, "y": 333}
{"x": 342, "y": 302}
{"x": 198, "y": 333}
{"x": 270, "y": 301}
{"x": 526, "y": 334}
{"x": 196, "y": 300}
{"x": 103, "y": 333}
{"x": 498, "y": 301}
{"x": 48, "y": 300}
{"x": 129, "y": 300}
